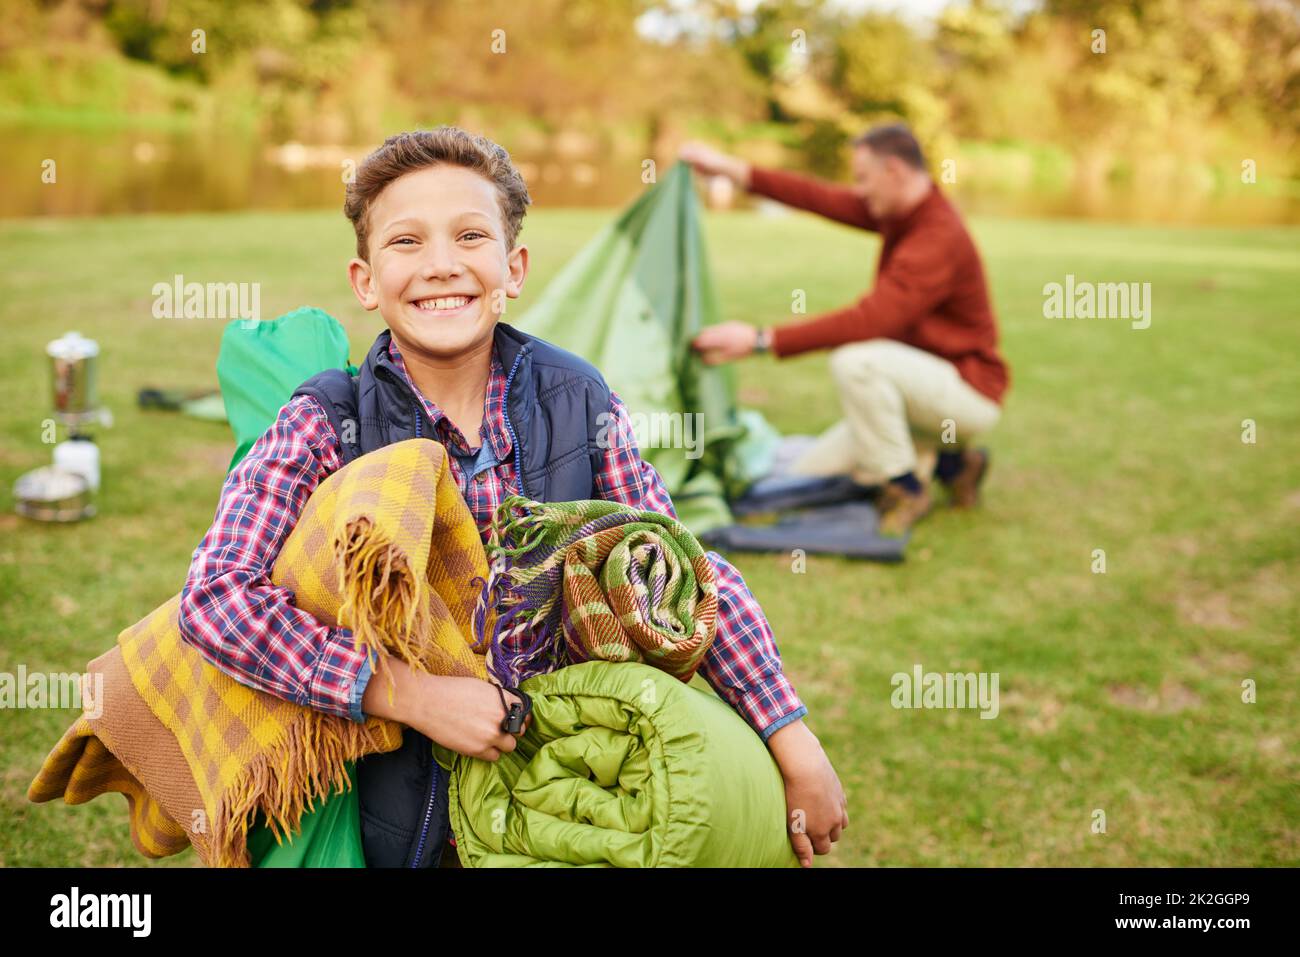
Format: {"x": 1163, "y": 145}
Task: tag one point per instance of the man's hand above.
{"x": 463, "y": 714}
{"x": 725, "y": 342}
{"x": 710, "y": 162}
{"x": 815, "y": 804}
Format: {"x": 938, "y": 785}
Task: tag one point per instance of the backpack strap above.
{"x": 336, "y": 391}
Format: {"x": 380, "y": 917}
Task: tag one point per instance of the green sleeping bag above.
{"x": 622, "y": 766}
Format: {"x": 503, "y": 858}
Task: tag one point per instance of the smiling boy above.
{"x": 437, "y": 215}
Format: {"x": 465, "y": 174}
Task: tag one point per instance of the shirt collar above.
{"x": 896, "y": 227}
{"x": 493, "y": 428}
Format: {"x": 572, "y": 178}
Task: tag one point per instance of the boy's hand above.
{"x": 463, "y": 714}
{"x": 814, "y": 799}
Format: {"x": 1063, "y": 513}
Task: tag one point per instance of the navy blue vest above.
{"x": 556, "y": 407}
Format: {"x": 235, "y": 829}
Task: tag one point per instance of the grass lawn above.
{"x": 1119, "y": 691}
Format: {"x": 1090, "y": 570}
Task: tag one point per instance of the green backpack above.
{"x": 259, "y": 366}
{"x": 261, "y": 363}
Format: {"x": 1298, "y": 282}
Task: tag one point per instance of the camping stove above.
{"x": 65, "y": 491}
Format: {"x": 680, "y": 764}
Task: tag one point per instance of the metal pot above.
{"x": 73, "y": 366}
{"x": 52, "y": 494}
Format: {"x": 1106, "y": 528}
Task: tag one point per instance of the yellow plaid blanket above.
{"x": 387, "y": 547}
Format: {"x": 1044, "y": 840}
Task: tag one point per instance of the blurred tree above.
{"x": 1201, "y": 80}
{"x": 789, "y": 44}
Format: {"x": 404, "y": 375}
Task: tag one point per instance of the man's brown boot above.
{"x": 901, "y": 509}
{"x": 965, "y": 485}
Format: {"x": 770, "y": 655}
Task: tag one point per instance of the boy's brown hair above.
{"x": 418, "y": 149}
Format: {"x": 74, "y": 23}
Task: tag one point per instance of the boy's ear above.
{"x": 363, "y": 284}
{"x": 517, "y": 263}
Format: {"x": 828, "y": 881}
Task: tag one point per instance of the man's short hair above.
{"x": 894, "y": 139}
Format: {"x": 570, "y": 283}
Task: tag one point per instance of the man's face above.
{"x": 439, "y": 271}
{"x": 878, "y": 180}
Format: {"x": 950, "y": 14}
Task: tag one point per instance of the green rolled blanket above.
{"x": 595, "y": 580}
{"x": 623, "y": 766}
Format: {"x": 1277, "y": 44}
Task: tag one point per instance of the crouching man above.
{"x": 915, "y": 360}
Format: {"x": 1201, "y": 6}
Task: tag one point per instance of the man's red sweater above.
{"x": 930, "y": 291}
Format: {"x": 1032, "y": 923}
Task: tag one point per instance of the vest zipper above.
{"x": 428, "y": 812}
{"x": 519, "y": 473}
{"x": 514, "y": 439}
{"x": 505, "y": 412}
{"x": 433, "y": 770}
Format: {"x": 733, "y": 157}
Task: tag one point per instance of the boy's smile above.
{"x": 439, "y": 271}
{"x": 445, "y": 306}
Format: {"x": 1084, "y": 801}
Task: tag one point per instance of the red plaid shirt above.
{"x": 251, "y": 629}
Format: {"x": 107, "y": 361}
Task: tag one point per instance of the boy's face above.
{"x": 439, "y": 271}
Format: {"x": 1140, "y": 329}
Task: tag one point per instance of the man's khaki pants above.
{"x": 895, "y": 398}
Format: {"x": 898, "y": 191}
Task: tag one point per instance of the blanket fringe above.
{"x": 525, "y": 532}
{"x": 384, "y": 604}
{"x": 283, "y": 786}
{"x": 388, "y": 609}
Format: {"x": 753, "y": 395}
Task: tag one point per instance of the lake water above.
{"x": 123, "y": 172}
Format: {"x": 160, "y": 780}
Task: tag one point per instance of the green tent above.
{"x": 630, "y": 303}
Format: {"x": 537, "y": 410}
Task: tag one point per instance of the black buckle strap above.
{"x": 516, "y": 714}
